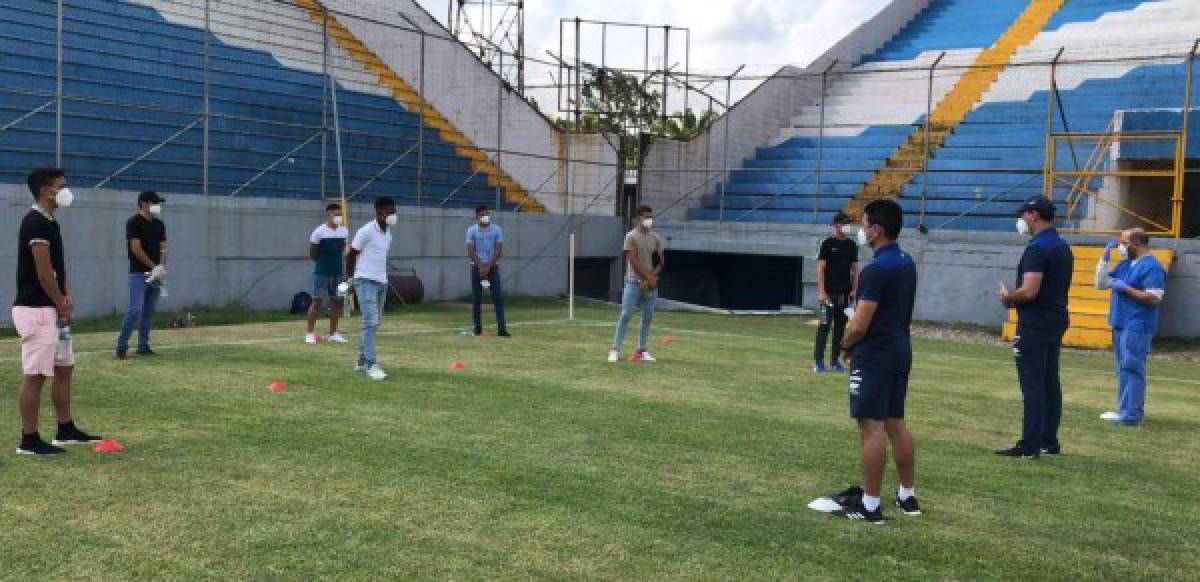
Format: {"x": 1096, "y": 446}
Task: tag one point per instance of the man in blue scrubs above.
{"x": 1138, "y": 283}
{"x": 1043, "y": 282}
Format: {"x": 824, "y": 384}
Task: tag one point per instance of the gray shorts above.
{"x": 325, "y": 287}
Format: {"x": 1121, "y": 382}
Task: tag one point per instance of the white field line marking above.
{"x": 299, "y": 339}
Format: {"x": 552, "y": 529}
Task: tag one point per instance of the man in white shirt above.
{"x": 367, "y": 262}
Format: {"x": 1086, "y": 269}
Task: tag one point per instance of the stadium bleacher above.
{"x": 995, "y": 156}
{"x": 133, "y": 75}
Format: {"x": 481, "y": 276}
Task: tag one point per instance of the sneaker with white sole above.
{"x": 644, "y": 356}
{"x": 376, "y": 373}
{"x": 613, "y": 356}
{"x": 1110, "y": 416}
{"x": 34, "y": 445}
{"x": 336, "y": 338}
{"x": 310, "y": 338}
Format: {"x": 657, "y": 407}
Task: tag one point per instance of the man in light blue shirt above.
{"x": 485, "y": 245}
{"x": 1138, "y": 283}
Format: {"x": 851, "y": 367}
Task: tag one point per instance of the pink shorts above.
{"x": 41, "y": 350}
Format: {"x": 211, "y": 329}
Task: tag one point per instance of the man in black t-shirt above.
{"x": 42, "y": 315}
{"x": 837, "y": 274}
{"x": 1043, "y": 282}
{"x": 146, "y": 246}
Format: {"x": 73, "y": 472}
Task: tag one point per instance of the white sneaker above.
{"x": 613, "y": 356}
{"x": 644, "y": 356}
{"x": 310, "y": 338}
{"x": 336, "y": 338}
{"x": 376, "y": 373}
{"x": 1111, "y": 416}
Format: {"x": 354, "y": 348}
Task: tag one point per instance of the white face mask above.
{"x": 337, "y": 220}
{"x": 1123, "y": 250}
{"x": 65, "y": 197}
{"x": 391, "y": 220}
{"x": 156, "y": 209}
{"x": 485, "y": 220}
{"x": 861, "y": 237}
{"x": 1022, "y": 227}
{"x": 647, "y": 222}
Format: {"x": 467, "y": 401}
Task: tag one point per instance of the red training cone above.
{"x": 636, "y": 357}
{"x": 277, "y": 386}
{"x": 458, "y": 366}
{"x": 320, "y": 338}
{"x": 109, "y": 446}
{"x": 668, "y": 340}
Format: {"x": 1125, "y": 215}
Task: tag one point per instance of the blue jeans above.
{"x": 143, "y": 299}
{"x": 634, "y": 297}
{"x": 371, "y": 296}
{"x": 1132, "y": 348}
{"x": 477, "y": 298}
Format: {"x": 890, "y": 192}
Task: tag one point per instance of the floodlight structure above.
{"x": 495, "y": 31}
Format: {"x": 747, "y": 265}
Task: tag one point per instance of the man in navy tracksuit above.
{"x": 1043, "y": 281}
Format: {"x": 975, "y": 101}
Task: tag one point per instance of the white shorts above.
{"x": 41, "y": 350}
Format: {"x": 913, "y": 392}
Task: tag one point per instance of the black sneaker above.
{"x": 478, "y": 332}
{"x": 504, "y": 334}
{"x": 119, "y": 355}
{"x": 34, "y": 445}
{"x": 69, "y": 434}
{"x": 857, "y": 511}
{"x": 1054, "y": 450}
{"x": 1018, "y": 450}
{"x": 908, "y": 506}
{"x": 146, "y": 352}
{"x": 848, "y": 496}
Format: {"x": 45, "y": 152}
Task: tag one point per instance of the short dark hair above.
{"x": 384, "y": 202}
{"x": 643, "y": 209}
{"x": 42, "y": 177}
{"x": 481, "y": 209}
{"x": 332, "y": 207}
{"x": 1138, "y": 236}
{"x": 841, "y": 218}
{"x": 887, "y": 214}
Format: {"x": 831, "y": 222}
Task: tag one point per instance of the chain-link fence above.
{"x": 956, "y": 138}
{"x": 281, "y": 99}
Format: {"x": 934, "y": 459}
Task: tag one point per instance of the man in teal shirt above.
{"x": 1138, "y": 284}
{"x": 327, "y": 248}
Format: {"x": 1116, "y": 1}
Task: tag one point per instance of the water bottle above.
{"x": 64, "y": 331}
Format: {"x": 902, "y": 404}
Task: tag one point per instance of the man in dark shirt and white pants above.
{"x": 146, "y": 240}
{"x": 837, "y": 273}
{"x": 42, "y": 315}
{"x": 879, "y": 345}
{"x": 1043, "y": 282}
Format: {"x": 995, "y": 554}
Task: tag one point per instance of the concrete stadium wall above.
{"x": 674, "y": 169}
{"x": 959, "y": 272}
{"x": 471, "y": 97}
{"x": 254, "y": 252}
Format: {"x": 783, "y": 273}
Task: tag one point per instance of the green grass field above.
{"x": 540, "y": 460}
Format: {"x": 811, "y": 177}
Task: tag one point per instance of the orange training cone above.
{"x": 277, "y": 386}
{"x": 109, "y": 446}
{"x": 458, "y": 366}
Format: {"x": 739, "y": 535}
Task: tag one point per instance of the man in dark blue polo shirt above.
{"x": 1043, "y": 281}
{"x": 879, "y": 348}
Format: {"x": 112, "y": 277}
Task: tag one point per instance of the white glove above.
{"x": 343, "y": 288}
{"x": 158, "y": 272}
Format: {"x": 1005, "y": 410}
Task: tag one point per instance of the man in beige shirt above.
{"x": 642, "y": 246}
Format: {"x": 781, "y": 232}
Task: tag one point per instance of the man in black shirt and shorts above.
{"x": 879, "y": 345}
{"x": 837, "y": 274}
{"x": 42, "y": 315}
{"x": 146, "y": 245}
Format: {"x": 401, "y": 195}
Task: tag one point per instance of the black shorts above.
{"x": 877, "y": 391}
